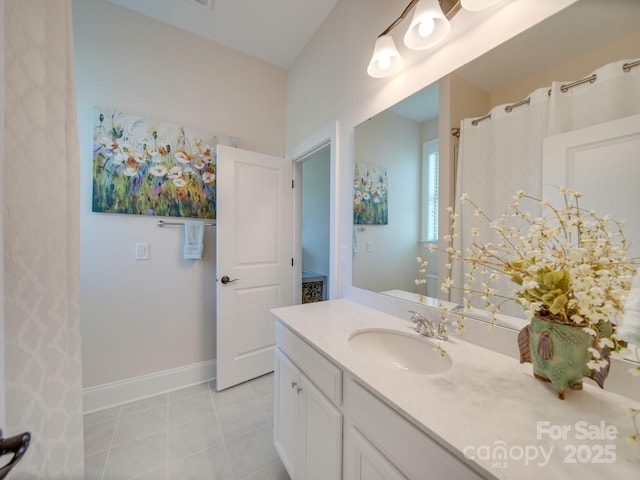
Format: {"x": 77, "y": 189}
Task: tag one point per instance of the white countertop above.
{"x": 484, "y": 403}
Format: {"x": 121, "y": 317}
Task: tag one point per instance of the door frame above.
{"x": 2, "y": 299}
{"x": 328, "y": 136}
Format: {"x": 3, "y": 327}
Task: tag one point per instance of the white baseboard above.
{"x": 137, "y": 388}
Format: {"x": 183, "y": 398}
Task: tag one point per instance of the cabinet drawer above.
{"x": 408, "y": 448}
{"x": 324, "y": 374}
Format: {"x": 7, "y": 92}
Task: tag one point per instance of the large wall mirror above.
{"x": 408, "y": 143}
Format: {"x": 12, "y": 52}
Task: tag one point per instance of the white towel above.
{"x": 629, "y": 325}
{"x": 355, "y": 239}
{"x": 193, "y": 236}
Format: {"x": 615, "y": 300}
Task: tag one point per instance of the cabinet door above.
{"x": 320, "y": 435}
{"x": 286, "y": 420}
{"x": 364, "y": 462}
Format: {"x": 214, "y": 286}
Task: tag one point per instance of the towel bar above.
{"x": 162, "y": 223}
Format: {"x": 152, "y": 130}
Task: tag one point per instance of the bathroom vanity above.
{"x": 359, "y": 395}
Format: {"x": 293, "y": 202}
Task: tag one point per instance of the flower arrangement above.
{"x": 566, "y": 264}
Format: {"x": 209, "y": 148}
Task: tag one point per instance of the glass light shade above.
{"x": 386, "y": 59}
{"x": 477, "y": 5}
{"x": 427, "y": 16}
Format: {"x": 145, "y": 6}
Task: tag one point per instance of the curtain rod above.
{"x": 563, "y": 88}
{"x": 478, "y": 120}
{"x": 628, "y": 66}
{"x": 162, "y": 223}
{"x": 508, "y": 108}
{"x": 590, "y": 79}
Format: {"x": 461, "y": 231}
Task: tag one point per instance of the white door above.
{"x": 254, "y": 252}
{"x": 603, "y": 163}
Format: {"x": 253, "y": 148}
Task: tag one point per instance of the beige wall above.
{"x": 142, "y": 317}
{"x": 579, "y": 67}
{"x": 429, "y": 130}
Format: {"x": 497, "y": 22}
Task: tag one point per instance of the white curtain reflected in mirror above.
{"x": 582, "y": 135}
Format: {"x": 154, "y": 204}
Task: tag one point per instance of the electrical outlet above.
{"x": 142, "y": 251}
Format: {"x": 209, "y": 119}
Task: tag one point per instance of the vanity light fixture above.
{"x": 477, "y": 5}
{"x": 428, "y": 27}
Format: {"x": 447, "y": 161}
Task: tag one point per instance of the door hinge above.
{"x": 293, "y": 184}
{"x": 292, "y": 262}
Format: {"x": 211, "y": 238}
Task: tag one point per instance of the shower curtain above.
{"x": 502, "y": 154}
{"x": 40, "y": 200}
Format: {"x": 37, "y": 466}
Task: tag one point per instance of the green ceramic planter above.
{"x": 559, "y": 353}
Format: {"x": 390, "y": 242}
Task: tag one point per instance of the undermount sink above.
{"x": 399, "y": 351}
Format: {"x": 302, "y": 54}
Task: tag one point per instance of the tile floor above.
{"x": 193, "y": 433}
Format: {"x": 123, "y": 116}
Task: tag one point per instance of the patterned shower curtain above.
{"x": 43, "y": 382}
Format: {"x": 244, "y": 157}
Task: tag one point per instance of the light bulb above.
{"x": 386, "y": 59}
{"x": 426, "y": 27}
{"x": 384, "y": 62}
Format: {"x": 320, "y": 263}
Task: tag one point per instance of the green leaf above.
{"x": 558, "y": 304}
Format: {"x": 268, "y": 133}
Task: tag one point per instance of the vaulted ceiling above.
{"x": 275, "y": 31}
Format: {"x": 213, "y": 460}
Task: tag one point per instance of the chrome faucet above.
{"x": 425, "y": 327}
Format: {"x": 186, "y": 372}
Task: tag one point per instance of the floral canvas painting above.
{"x": 370, "y": 205}
{"x": 148, "y": 167}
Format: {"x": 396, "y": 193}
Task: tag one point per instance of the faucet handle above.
{"x": 442, "y": 330}
{"x": 423, "y": 324}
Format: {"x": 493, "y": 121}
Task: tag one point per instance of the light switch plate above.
{"x": 142, "y": 251}
{"x": 343, "y": 254}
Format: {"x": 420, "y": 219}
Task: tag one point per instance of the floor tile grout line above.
{"x": 166, "y": 470}
{"x": 194, "y": 420}
{"x": 135, "y": 439}
{"x": 262, "y": 409}
{"x": 166, "y": 403}
{"x": 260, "y": 404}
{"x": 197, "y": 452}
{"x": 248, "y": 432}
{"x": 106, "y": 460}
{"x": 224, "y": 442}
{"x": 207, "y": 382}
{"x": 263, "y": 468}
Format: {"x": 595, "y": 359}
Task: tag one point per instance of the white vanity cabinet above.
{"x": 363, "y": 461}
{"x": 380, "y": 443}
{"x": 307, "y": 424}
{"x": 404, "y": 426}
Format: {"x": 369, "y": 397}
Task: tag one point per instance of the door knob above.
{"x": 226, "y": 280}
